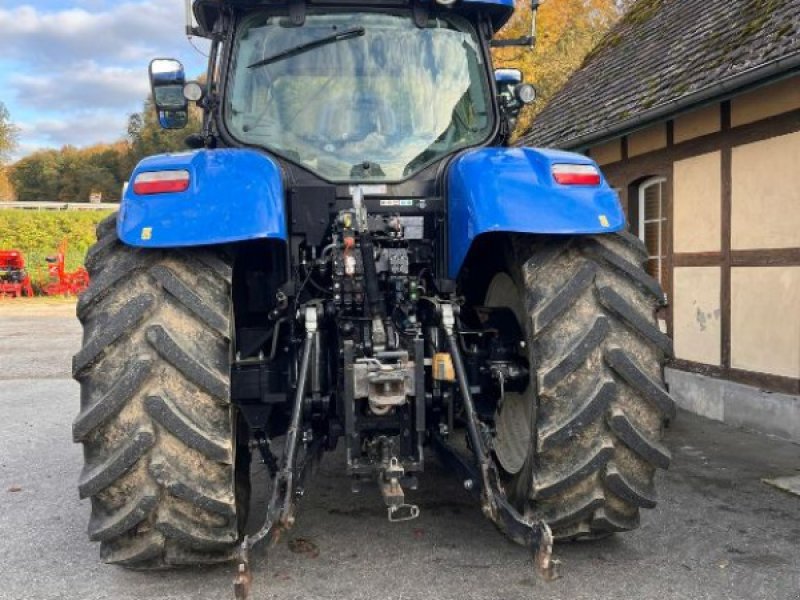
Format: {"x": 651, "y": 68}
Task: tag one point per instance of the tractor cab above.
{"x": 350, "y": 92}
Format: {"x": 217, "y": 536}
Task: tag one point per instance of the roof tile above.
{"x": 662, "y": 51}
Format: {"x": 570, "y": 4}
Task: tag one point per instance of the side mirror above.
{"x": 167, "y": 79}
{"x": 511, "y": 88}
{"x": 513, "y": 94}
{"x": 509, "y": 77}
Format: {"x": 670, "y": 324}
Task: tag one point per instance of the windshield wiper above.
{"x": 330, "y": 39}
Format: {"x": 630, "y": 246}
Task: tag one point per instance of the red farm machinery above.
{"x": 60, "y": 281}
{"x": 14, "y": 280}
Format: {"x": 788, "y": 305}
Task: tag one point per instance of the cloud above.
{"x": 132, "y": 31}
{"x": 84, "y": 86}
{"x": 72, "y": 70}
{"x": 79, "y": 129}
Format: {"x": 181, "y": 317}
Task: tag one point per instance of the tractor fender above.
{"x": 233, "y": 195}
{"x": 513, "y": 190}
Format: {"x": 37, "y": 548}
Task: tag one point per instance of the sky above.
{"x": 71, "y": 71}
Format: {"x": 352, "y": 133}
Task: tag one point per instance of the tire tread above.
{"x": 153, "y": 402}
{"x": 592, "y": 333}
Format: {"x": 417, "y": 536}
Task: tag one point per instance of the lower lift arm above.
{"x": 288, "y": 481}
{"x": 535, "y": 535}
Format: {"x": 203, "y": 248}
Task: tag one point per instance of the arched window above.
{"x": 653, "y": 224}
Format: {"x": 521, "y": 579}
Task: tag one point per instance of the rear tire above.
{"x": 580, "y": 447}
{"x": 156, "y": 421}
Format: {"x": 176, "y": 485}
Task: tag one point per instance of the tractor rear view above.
{"x": 352, "y": 255}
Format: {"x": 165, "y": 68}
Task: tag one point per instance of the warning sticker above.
{"x": 397, "y": 202}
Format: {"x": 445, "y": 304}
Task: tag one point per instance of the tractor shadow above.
{"x": 340, "y": 532}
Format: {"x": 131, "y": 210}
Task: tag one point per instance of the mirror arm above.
{"x": 529, "y": 40}
{"x": 210, "y": 98}
{"x": 507, "y": 121}
{"x": 523, "y": 41}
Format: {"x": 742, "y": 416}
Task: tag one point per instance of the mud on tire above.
{"x": 155, "y": 419}
{"x": 597, "y": 398}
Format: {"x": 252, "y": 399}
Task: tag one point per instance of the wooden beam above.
{"x": 697, "y": 259}
{"x": 764, "y": 381}
{"x": 725, "y": 227}
{"x": 766, "y": 257}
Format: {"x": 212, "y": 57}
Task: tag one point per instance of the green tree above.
{"x": 36, "y": 177}
{"x": 8, "y": 134}
{"x": 71, "y": 174}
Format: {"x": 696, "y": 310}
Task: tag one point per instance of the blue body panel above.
{"x": 513, "y": 190}
{"x": 492, "y": 4}
{"x": 233, "y": 195}
{"x": 500, "y": 11}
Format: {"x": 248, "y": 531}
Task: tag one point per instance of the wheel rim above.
{"x": 513, "y": 420}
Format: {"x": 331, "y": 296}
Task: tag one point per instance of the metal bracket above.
{"x": 448, "y": 317}
{"x": 421, "y": 11}
{"x": 297, "y": 12}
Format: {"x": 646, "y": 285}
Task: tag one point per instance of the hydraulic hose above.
{"x": 374, "y": 299}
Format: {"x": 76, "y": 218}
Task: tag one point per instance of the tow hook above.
{"x": 393, "y": 495}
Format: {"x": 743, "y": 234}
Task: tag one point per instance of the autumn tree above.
{"x": 6, "y": 189}
{"x": 146, "y": 137}
{"x": 8, "y": 135}
{"x": 567, "y": 30}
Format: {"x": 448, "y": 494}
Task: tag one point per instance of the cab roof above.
{"x": 499, "y": 11}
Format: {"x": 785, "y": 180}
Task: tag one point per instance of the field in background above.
{"x": 38, "y": 235}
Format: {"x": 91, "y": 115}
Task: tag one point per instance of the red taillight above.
{"x": 161, "y": 182}
{"x": 576, "y": 174}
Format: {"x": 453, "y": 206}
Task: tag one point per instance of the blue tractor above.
{"x": 351, "y": 254}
